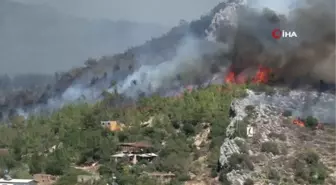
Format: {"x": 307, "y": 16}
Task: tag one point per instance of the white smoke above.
{"x": 150, "y": 78}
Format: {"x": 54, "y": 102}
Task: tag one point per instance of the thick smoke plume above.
{"x": 309, "y": 58}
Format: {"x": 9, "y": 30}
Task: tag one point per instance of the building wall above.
{"x": 112, "y": 125}
{"x": 44, "y": 179}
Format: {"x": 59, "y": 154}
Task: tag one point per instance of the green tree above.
{"x": 311, "y": 122}
{"x": 57, "y": 163}
{"x": 36, "y": 164}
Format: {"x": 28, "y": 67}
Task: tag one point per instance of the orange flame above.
{"x": 230, "y": 78}
{"x": 299, "y": 122}
{"x": 262, "y": 76}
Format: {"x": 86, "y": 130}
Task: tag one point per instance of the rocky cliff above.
{"x": 276, "y": 148}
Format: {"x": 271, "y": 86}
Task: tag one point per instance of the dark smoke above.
{"x": 307, "y": 59}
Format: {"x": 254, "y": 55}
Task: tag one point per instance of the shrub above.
{"x": 301, "y": 170}
{"x": 287, "y": 113}
{"x": 311, "y": 157}
{"x": 281, "y": 136}
{"x": 311, "y": 122}
{"x": 270, "y": 147}
{"x": 273, "y": 174}
{"x": 242, "y": 146}
{"x": 248, "y": 182}
{"x": 249, "y": 109}
{"x": 238, "y": 161}
{"x": 262, "y": 88}
{"x": 223, "y": 179}
{"x": 183, "y": 177}
{"x": 248, "y": 162}
{"x": 308, "y": 168}
{"x": 189, "y": 129}
{"x": 318, "y": 174}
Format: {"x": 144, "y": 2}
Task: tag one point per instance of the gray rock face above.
{"x": 226, "y": 18}
{"x": 265, "y": 116}
{"x": 237, "y": 177}
{"x": 262, "y": 113}
{"x": 238, "y": 107}
{"x": 228, "y": 148}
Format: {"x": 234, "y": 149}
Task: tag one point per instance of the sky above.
{"x": 281, "y": 6}
{"x": 165, "y": 12}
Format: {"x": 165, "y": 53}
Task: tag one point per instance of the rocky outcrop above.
{"x": 237, "y": 177}
{"x": 225, "y": 21}
{"x": 228, "y": 148}
{"x": 264, "y": 113}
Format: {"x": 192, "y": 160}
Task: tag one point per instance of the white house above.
{"x": 17, "y": 181}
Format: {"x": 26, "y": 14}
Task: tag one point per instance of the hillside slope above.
{"x": 99, "y": 74}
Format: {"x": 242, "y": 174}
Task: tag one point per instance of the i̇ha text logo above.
{"x": 278, "y": 34}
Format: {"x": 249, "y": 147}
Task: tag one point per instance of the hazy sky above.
{"x": 167, "y": 12}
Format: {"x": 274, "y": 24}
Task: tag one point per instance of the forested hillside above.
{"x": 77, "y": 130}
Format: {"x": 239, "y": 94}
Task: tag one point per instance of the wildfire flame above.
{"x": 299, "y": 122}
{"x": 262, "y": 76}
{"x": 230, "y": 78}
